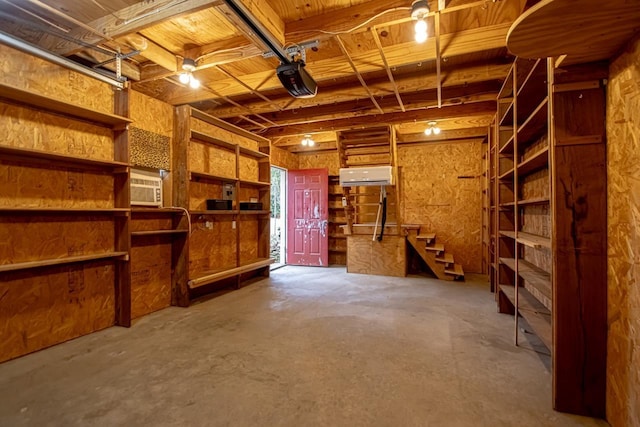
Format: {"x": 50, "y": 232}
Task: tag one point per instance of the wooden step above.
{"x": 438, "y": 247}
{"x": 446, "y": 258}
{"x": 455, "y": 270}
{"x": 429, "y": 237}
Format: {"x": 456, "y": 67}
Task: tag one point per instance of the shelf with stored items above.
{"x": 64, "y": 215}
{"x": 550, "y": 166}
{"x": 223, "y": 179}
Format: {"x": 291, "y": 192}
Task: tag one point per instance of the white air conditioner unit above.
{"x": 368, "y": 176}
{"x": 146, "y": 188}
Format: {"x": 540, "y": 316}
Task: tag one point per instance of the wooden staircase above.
{"x": 434, "y": 255}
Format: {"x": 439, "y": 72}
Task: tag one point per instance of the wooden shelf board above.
{"x": 60, "y": 261}
{"x": 61, "y": 159}
{"x": 507, "y": 117}
{"x": 534, "y": 276}
{"x": 220, "y": 212}
{"x": 534, "y": 201}
{"x": 49, "y": 210}
{"x": 157, "y": 210}
{"x": 536, "y": 314}
{"x": 215, "y": 275}
{"x": 338, "y": 251}
{"x": 507, "y": 148}
{"x": 32, "y": 99}
{"x": 212, "y": 177}
{"x": 536, "y": 162}
{"x": 208, "y": 139}
{"x": 254, "y": 183}
{"x": 253, "y": 153}
{"x": 534, "y": 125}
{"x": 506, "y": 174}
{"x": 510, "y": 234}
{"x": 157, "y": 232}
{"x": 507, "y": 205}
{"x": 337, "y": 236}
{"x": 250, "y": 212}
{"x": 533, "y": 241}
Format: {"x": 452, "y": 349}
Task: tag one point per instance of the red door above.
{"x": 307, "y": 211}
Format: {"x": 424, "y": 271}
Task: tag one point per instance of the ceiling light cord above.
{"x": 336, "y": 33}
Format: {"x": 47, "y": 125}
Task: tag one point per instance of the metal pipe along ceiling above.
{"x": 56, "y": 59}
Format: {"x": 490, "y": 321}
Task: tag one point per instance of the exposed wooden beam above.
{"x": 480, "y": 108}
{"x": 249, "y": 88}
{"x": 376, "y": 38}
{"x": 440, "y": 141}
{"x": 358, "y": 75}
{"x": 320, "y": 137}
{"x": 476, "y": 92}
{"x": 322, "y": 146}
{"x": 341, "y": 20}
{"x": 125, "y": 21}
{"x": 263, "y": 14}
{"x": 438, "y": 54}
{"x": 461, "y": 43}
{"x": 336, "y": 94}
{"x": 152, "y": 51}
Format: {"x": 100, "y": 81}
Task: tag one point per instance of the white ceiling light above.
{"x": 419, "y": 11}
{"x": 186, "y": 77}
{"x": 307, "y": 141}
{"x": 432, "y": 129}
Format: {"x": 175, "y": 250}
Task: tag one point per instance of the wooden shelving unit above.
{"x": 337, "y": 240}
{"x": 549, "y": 165}
{"x": 225, "y": 245}
{"x": 66, "y": 218}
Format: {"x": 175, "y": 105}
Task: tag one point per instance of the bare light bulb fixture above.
{"x": 432, "y": 129}
{"x": 307, "y": 141}
{"x": 419, "y": 11}
{"x": 186, "y": 77}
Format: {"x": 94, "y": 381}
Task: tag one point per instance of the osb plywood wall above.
{"x": 26, "y": 72}
{"x": 284, "y": 159}
{"x": 441, "y": 188}
{"x": 623, "y": 169}
{"x": 328, "y": 160}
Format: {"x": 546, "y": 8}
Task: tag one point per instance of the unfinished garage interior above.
{"x": 449, "y": 190}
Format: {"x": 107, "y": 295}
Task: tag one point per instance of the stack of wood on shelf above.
{"x": 337, "y": 239}
{"x": 548, "y": 220}
{"x": 214, "y": 159}
{"x": 64, "y": 218}
{"x": 440, "y": 262}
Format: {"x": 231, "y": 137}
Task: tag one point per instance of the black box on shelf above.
{"x": 250, "y": 206}
{"x": 218, "y": 205}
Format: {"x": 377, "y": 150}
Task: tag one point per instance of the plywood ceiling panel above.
{"x": 295, "y": 10}
{"x": 196, "y": 29}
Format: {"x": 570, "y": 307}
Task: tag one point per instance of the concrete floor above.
{"x": 308, "y": 347}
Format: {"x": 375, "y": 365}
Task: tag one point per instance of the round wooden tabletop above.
{"x": 584, "y": 30}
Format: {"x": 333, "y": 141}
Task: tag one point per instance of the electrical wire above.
{"x": 186, "y": 213}
{"x": 335, "y": 33}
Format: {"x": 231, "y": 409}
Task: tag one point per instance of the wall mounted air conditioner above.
{"x": 366, "y": 176}
{"x": 146, "y": 188}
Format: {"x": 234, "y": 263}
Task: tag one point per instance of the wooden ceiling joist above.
{"x": 477, "y": 92}
{"x": 460, "y": 43}
{"x": 125, "y": 21}
{"x": 413, "y": 82}
{"x": 253, "y": 91}
{"x": 488, "y": 108}
{"x": 376, "y": 38}
{"x": 355, "y": 70}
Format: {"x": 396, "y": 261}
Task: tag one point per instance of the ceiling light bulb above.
{"x": 421, "y": 26}
{"x": 184, "y": 78}
{"x": 304, "y": 141}
{"x": 311, "y": 142}
{"x": 436, "y": 130}
{"x": 194, "y": 83}
{"x": 421, "y": 37}
{"x": 427, "y": 131}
